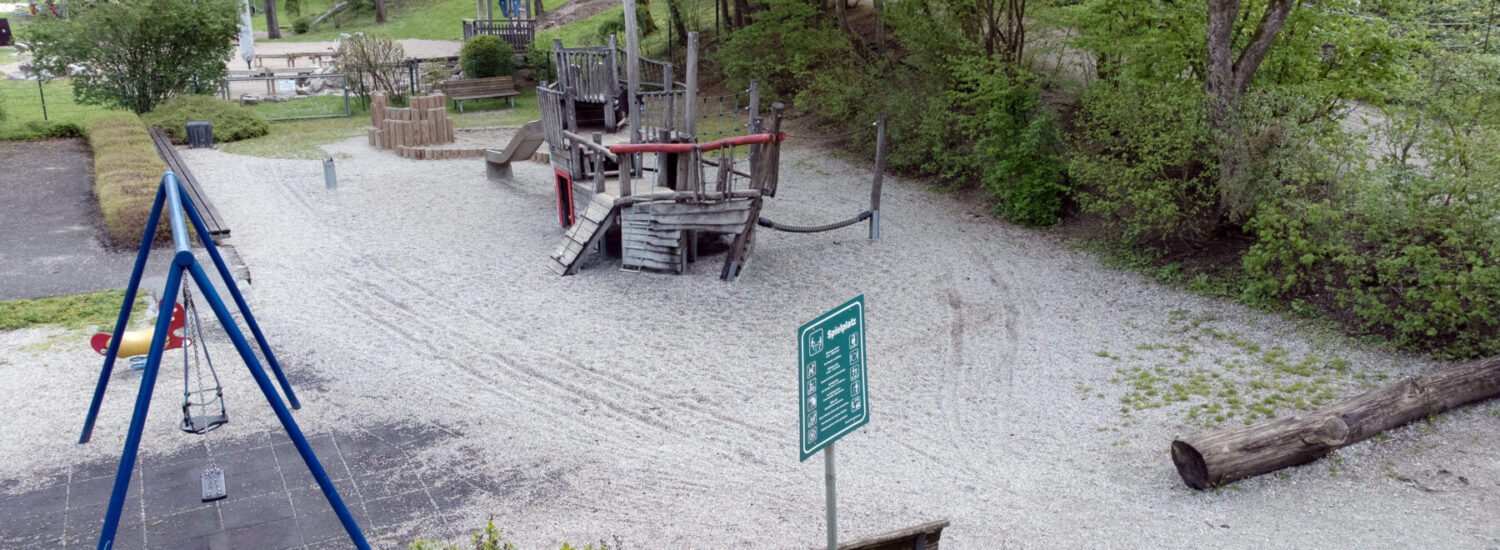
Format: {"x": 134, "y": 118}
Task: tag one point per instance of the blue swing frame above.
{"x": 170, "y": 195}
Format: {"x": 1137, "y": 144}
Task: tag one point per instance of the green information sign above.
{"x": 831, "y": 379}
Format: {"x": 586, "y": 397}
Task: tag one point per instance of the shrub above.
{"x": 139, "y": 53}
{"x": 485, "y": 56}
{"x": 231, "y": 121}
{"x": 294, "y": 9}
{"x": 1142, "y": 158}
{"x": 300, "y": 25}
{"x": 127, "y": 170}
{"x": 378, "y": 60}
{"x": 786, "y": 46}
{"x": 38, "y": 129}
{"x": 539, "y": 60}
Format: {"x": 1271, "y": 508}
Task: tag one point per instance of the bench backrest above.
{"x": 470, "y": 85}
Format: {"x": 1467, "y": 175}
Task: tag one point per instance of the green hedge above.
{"x": 127, "y": 170}
{"x": 232, "y": 121}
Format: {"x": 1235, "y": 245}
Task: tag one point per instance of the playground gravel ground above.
{"x": 661, "y": 409}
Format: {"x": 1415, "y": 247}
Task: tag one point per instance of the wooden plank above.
{"x": 928, "y": 534}
{"x": 205, "y": 208}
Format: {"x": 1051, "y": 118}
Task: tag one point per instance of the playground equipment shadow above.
{"x": 273, "y": 502}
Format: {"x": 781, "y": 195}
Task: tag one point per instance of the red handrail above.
{"x": 753, "y": 139}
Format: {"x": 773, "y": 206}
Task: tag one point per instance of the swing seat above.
{"x": 202, "y": 424}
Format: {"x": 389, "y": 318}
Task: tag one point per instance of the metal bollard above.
{"x": 330, "y": 179}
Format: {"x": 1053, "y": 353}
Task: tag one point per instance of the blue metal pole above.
{"x": 292, "y": 431}
{"x": 239, "y": 300}
{"x": 142, "y": 405}
{"x": 174, "y": 213}
{"x": 130, "y": 290}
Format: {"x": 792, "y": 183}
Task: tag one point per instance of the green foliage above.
{"x": 40, "y": 129}
{"x": 293, "y": 8}
{"x": 75, "y": 312}
{"x": 1141, "y": 157}
{"x": 488, "y": 539}
{"x": 786, "y": 46}
{"x": 231, "y": 121}
{"x": 485, "y": 56}
{"x": 136, "y": 54}
{"x": 539, "y": 60}
{"x": 300, "y": 25}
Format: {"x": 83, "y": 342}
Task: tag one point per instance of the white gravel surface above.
{"x": 662, "y": 409}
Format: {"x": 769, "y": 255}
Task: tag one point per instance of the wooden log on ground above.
{"x": 1218, "y": 458}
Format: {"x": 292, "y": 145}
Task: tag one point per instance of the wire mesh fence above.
{"x": 293, "y": 96}
{"x": 38, "y": 101}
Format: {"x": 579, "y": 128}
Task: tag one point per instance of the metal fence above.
{"x": 291, "y": 96}
{"x": 25, "y": 101}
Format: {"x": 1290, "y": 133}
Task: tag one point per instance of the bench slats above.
{"x": 206, "y": 210}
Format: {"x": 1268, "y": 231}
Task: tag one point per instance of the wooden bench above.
{"x": 481, "y": 88}
{"x": 920, "y": 537}
{"x": 211, "y": 218}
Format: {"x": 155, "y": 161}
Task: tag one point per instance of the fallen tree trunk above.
{"x": 1218, "y": 458}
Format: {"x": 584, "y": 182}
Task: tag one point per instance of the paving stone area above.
{"x": 273, "y": 501}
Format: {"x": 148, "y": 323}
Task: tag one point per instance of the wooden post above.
{"x": 599, "y": 166}
{"x": 479, "y": 10}
{"x": 879, "y": 178}
{"x": 626, "y": 160}
{"x": 632, "y": 70}
{"x": 773, "y": 163}
{"x": 669, "y": 121}
{"x": 753, "y": 124}
{"x": 1218, "y": 458}
{"x": 611, "y": 101}
{"x": 691, "y": 94}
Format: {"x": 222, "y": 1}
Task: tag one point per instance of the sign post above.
{"x": 833, "y": 396}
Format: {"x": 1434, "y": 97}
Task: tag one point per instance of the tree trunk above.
{"x": 1226, "y": 81}
{"x": 538, "y": 10}
{"x": 380, "y": 11}
{"x": 741, "y": 13}
{"x": 677, "y": 23}
{"x": 1224, "y": 457}
{"x": 272, "y": 30}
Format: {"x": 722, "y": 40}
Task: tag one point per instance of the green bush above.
{"x": 231, "y": 121}
{"x": 1142, "y": 158}
{"x": 294, "y": 9}
{"x": 786, "y": 46}
{"x": 485, "y": 56}
{"x": 539, "y": 60}
{"x": 300, "y": 25}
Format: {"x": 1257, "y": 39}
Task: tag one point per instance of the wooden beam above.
{"x": 632, "y": 70}
{"x": 1215, "y": 459}
{"x": 690, "y": 114}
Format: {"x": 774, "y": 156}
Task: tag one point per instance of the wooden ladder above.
{"x": 583, "y": 235}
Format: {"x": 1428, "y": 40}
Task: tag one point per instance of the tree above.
{"x": 1227, "y": 79}
{"x": 380, "y": 11}
{"x": 136, "y": 53}
{"x": 272, "y": 30}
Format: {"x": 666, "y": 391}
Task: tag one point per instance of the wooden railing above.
{"x": 517, "y": 32}
{"x": 587, "y": 73}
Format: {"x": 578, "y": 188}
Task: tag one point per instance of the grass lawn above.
{"x": 72, "y": 312}
{"x": 430, "y": 19}
{"x": 303, "y": 139}
{"x": 23, "y": 104}
{"x": 696, "y": 14}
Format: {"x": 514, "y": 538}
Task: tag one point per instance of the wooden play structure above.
{"x": 516, "y": 26}
{"x": 415, "y": 131}
{"x": 693, "y": 176}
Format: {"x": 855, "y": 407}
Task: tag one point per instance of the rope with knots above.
{"x": 764, "y": 222}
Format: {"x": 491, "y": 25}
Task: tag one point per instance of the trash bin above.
{"x": 200, "y": 134}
